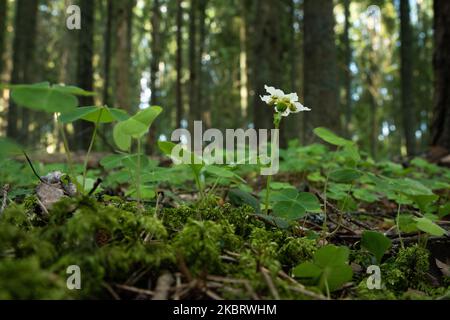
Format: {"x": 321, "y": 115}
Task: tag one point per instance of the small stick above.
{"x": 269, "y": 282}
{"x": 95, "y": 187}
{"x": 135, "y": 290}
{"x": 5, "y": 198}
{"x": 300, "y": 288}
{"x": 111, "y": 291}
{"x": 163, "y": 287}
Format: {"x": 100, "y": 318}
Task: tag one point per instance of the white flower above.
{"x": 285, "y": 104}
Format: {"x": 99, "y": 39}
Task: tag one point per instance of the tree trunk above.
{"x": 441, "y": 123}
{"x": 85, "y": 70}
{"x": 107, "y": 52}
{"x": 200, "y": 90}
{"x": 23, "y": 63}
{"x": 320, "y": 71}
{"x": 408, "y": 110}
{"x": 3, "y": 16}
{"x": 156, "y": 50}
{"x": 347, "y": 71}
{"x": 194, "y": 113}
{"x": 123, "y": 16}
{"x": 179, "y": 64}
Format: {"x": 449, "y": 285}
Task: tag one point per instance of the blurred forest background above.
{"x": 364, "y": 67}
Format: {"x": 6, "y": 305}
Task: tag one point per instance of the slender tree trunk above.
{"x": 243, "y": 59}
{"x": 179, "y": 64}
{"x": 3, "y": 16}
{"x": 441, "y": 123}
{"x": 320, "y": 72}
{"x": 408, "y": 110}
{"x": 123, "y": 52}
{"x": 85, "y": 70}
{"x": 154, "y": 66}
{"x": 347, "y": 72}
{"x": 200, "y": 90}
{"x": 107, "y": 51}
{"x": 23, "y": 63}
{"x": 193, "y": 77}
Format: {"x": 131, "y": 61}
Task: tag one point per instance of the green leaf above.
{"x": 94, "y": 114}
{"x": 140, "y": 123}
{"x": 239, "y": 197}
{"x": 376, "y": 243}
{"x": 428, "y": 226}
{"x": 122, "y": 140}
{"x": 222, "y": 172}
{"x": 336, "y": 277}
{"x": 9, "y": 148}
{"x": 135, "y": 127}
{"x": 44, "y": 98}
{"x": 331, "y": 255}
{"x": 331, "y": 138}
{"x": 346, "y": 175}
{"x": 291, "y": 204}
{"x": 307, "y": 271}
{"x": 195, "y": 162}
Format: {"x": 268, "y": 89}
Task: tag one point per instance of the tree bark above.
{"x": 347, "y": 71}
{"x": 107, "y": 51}
{"x": 320, "y": 73}
{"x": 179, "y": 64}
{"x": 85, "y": 70}
{"x": 3, "y": 16}
{"x": 123, "y": 16}
{"x": 194, "y": 113}
{"x": 441, "y": 122}
{"x": 23, "y": 63}
{"x": 200, "y": 90}
{"x": 408, "y": 110}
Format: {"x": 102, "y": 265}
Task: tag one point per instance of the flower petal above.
{"x": 299, "y": 107}
{"x": 293, "y": 97}
{"x": 266, "y": 99}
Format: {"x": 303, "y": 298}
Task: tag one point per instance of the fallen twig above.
{"x": 163, "y": 286}
{"x": 5, "y": 198}
{"x": 268, "y": 279}
{"x": 135, "y": 290}
{"x": 300, "y": 288}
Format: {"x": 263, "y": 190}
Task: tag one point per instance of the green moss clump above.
{"x": 407, "y": 270}
{"x": 364, "y": 293}
{"x": 297, "y": 250}
{"x": 200, "y": 243}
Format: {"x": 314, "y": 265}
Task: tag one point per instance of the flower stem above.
{"x": 91, "y": 145}
{"x": 276, "y": 122}
{"x": 138, "y": 172}
{"x": 66, "y": 145}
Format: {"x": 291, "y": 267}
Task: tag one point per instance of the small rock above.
{"x": 53, "y": 187}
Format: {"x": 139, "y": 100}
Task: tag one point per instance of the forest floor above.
{"x": 335, "y": 225}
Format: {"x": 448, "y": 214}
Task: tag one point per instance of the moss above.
{"x": 200, "y": 244}
{"x": 297, "y": 250}
{"x": 407, "y": 270}
{"x": 364, "y": 293}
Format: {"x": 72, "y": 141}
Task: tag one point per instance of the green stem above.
{"x": 276, "y": 121}
{"x": 138, "y": 172}
{"x": 91, "y": 145}
{"x": 397, "y": 222}
{"x": 199, "y": 185}
{"x": 66, "y": 146}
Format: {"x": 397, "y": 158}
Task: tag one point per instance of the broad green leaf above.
{"x": 331, "y": 138}
{"x": 346, "y": 175}
{"x": 376, "y": 243}
{"x": 112, "y": 161}
{"x": 291, "y": 204}
{"x": 336, "y": 276}
{"x": 122, "y": 140}
{"x": 307, "y": 270}
{"x": 9, "y": 148}
{"x": 331, "y": 255}
{"x": 195, "y": 162}
{"x": 239, "y": 197}
{"x": 428, "y": 226}
{"x": 352, "y": 152}
{"x": 94, "y": 114}
{"x": 222, "y": 172}
{"x": 365, "y": 195}
{"x": 42, "y": 98}
{"x": 140, "y": 123}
